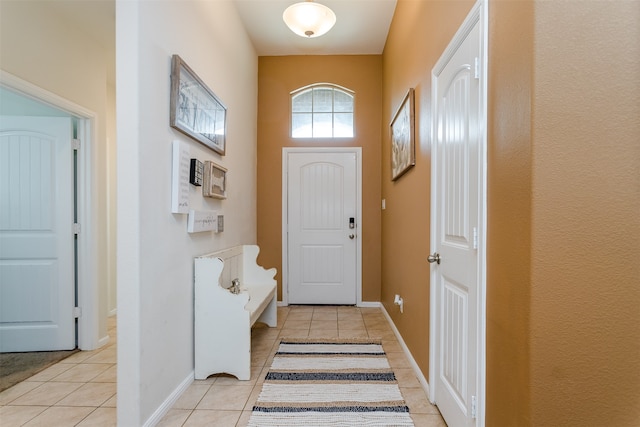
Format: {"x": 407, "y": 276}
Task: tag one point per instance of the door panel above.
{"x": 37, "y": 267}
{"x": 321, "y": 256}
{"x": 456, "y": 185}
{"x": 454, "y": 341}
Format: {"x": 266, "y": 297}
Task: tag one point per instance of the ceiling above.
{"x": 361, "y": 25}
{"x": 361, "y": 28}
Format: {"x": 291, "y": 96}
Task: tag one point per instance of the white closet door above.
{"x": 37, "y": 266}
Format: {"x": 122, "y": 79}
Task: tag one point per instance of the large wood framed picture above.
{"x": 195, "y": 110}
{"x": 403, "y": 152}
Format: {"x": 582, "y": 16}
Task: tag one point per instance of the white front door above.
{"x": 457, "y": 191}
{"x": 322, "y": 215}
{"x": 37, "y": 267}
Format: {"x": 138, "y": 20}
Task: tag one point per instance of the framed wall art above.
{"x": 215, "y": 181}
{"x": 195, "y": 110}
{"x": 403, "y": 152}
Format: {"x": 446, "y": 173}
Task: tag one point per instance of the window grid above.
{"x": 322, "y": 111}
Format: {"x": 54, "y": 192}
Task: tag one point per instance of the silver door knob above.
{"x": 434, "y": 258}
{"x": 352, "y": 236}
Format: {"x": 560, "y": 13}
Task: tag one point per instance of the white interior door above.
{"x": 37, "y": 267}
{"x": 457, "y": 184}
{"x": 321, "y": 209}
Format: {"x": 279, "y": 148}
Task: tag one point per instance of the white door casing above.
{"x": 37, "y": 266}
{"x": 87, "y": 249}
{"x": 321, "y": 253}
{"x": 458, "y": 226}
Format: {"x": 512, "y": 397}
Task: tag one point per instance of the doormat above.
{"x": 330, "y": 382}
{"x": 17, "y": 367}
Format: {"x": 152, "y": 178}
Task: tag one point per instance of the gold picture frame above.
{"x": 403, "y": 152}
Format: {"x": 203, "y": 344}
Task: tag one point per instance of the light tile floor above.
{"x": 81, "y": 390}
{"x": 78, "y": 391}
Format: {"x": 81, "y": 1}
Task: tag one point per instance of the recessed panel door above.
{"x": 37, "y": 267}
{"x": 455, "y": 215}
{"x": 322, "y": 230}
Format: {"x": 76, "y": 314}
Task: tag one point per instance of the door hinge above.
{"x": 76, "y": 228}
{"x": 77, "y": 312}
{"x": 474, "y": 407}
{"x": 476, "y": 68}
{"x": 475, "y": 238}
{"x": 75, "y": 143}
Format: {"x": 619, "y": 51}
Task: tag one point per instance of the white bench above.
{"x": 223, "y": 320}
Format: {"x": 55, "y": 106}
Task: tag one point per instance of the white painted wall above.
{"x": 155, "y": 253}
{"x": 111, "y": 199}
{"x": 42, "y": 47}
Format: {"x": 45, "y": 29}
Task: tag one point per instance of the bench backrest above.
{"x": 240, "y": 263}
{"x": 232, "y": 259}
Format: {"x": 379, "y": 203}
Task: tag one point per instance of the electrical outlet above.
{"x": 399, "y": 302}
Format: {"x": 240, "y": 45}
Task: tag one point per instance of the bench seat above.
{"x": 259, "y": 298}
{"x": 222, "y": 319}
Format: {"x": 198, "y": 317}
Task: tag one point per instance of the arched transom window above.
{"x": 322, "y": 111}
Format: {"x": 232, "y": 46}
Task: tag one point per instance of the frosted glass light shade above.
{"x": 309, "y": 19}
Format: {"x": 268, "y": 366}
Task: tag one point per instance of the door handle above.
{"x": 434, "y": 258}
{"x": 352, "y": 236}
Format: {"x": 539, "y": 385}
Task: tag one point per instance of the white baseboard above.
{"x": 373, "y": 304}
{"x": 421, "y": 378}
{"x": 169, "y": 401}
{"x": 103, "y": 341}
{"x": 182, "y": 387}
{"x": 370, "y": 304}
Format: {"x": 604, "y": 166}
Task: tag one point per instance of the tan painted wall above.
{"x": 563, "y": 277}
{"x": 277, "y": 77}
{"x": 419, "y": 34}
{"x": 585, "y": 253}
{"x": 509, "y": 175}
{"x": 563, "y": 298}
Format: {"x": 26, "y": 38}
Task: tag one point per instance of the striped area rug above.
{"x": 326, "y": 382}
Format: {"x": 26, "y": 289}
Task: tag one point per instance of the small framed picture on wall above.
{"x": 215, "y": 181}
{"x": 403, "y": 152}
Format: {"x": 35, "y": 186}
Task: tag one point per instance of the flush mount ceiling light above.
{"x": 309, "y": 19}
